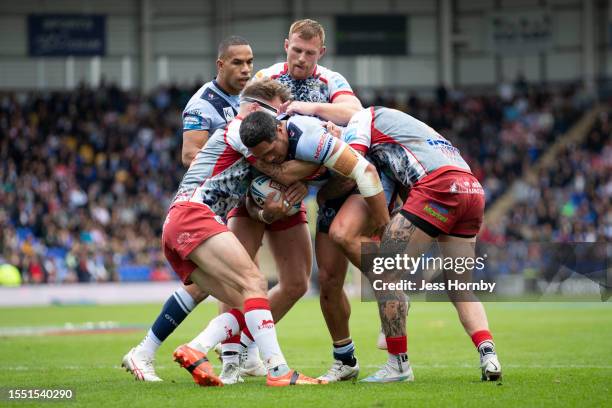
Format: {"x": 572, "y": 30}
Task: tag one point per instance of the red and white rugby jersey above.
{"x": 401, "y": 146}
{"x": 324, "y": 85}
{"x": 220, "y": 174}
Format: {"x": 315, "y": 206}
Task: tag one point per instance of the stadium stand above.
{"x": 86, "y": 175}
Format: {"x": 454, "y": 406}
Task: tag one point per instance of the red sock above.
{"x": 397, "y": 345}
{"x": 231, "y": 345}
{"x": 481, "y": 336}
{"x": 232, "y": 340}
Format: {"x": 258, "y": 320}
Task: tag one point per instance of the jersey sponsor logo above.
{"x": 444, "y": 145}
{"x": 192, "y": 121}
{"x": 466, "y": 188}
{"x": 320, "y": 147}
{"x": 228, "y": 112}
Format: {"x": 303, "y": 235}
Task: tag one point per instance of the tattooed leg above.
{"x": 400, "y": 237}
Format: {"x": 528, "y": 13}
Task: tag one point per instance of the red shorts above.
{"x": 280, "y": 225}
{"x": 187, "y": 225}
{"x": 451, "y": 200}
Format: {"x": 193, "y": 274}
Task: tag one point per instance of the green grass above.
{"x": 554, "y": 354}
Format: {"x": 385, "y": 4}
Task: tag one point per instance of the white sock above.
{"x": 261, "y": 325}
{"x": 150, "y": 343}
{"x": 253, "y": 351}
{"x": 219, "y": 329}
{"x": 399, "y": 362}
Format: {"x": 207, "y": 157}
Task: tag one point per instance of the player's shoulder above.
{"x": 200, "y": 97}
{"x": 272, "y": 71}
{"x": 300, "y": 127}
{"x": 331, "y": 77}
{"x": 302, "y": 121}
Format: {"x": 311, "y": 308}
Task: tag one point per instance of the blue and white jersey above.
{"x": 210, "y": 108}
{"x": 309, "y": 140}
{"x": 324, "y": 85}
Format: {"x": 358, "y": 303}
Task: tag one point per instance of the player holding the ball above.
{"x": 201, "y": 249}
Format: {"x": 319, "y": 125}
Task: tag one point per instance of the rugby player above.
{"x": 445, "y": 202}
{"x": 321, "y": 92}
{"x": 201, "y": 248}
{"x": 211, "y": 108}
{"x": 305, "y": 138}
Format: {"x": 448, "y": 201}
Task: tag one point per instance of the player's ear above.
{"x": 322, "y": 51}
{"x": 219, "y": 64}
{"x": 286, "y": 45}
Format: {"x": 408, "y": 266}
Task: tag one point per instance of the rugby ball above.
{"x": 261, "y": 186}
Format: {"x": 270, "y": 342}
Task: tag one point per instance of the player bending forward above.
{"x": 202, "y": 250}
{"x": 445, "y": 202}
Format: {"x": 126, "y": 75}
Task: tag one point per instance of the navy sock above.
{"x": 175, "y": 310}
{"x": 346, "y": 354}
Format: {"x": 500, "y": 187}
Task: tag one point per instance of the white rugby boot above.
{"x": 140, "y": 364}
{"x": 392, "y": 371}
{"x": 340, "y": 372}
{"x": 251, "y": 365}
{"x": 230, "y": 373}
{"x": 489, "y": 363}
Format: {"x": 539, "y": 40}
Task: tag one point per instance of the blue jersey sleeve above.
{"x": 199, "y": 116}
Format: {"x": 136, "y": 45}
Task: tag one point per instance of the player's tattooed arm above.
{"x": 337, "y": 186}
{"x": 287, "y": 172}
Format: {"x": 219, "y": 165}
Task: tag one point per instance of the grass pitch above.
{"x": 553, "y": 354}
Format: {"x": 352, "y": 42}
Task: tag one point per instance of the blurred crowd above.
{"x": 86, "y": 176}
{"x": 571, "y": 201}
{"x": 85, "y": 179}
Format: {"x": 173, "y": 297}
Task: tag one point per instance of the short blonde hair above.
{"x": 308, "y": 29}
{"x": 267, "y": 89}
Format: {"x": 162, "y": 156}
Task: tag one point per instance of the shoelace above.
{"x": 244, "y": 354}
